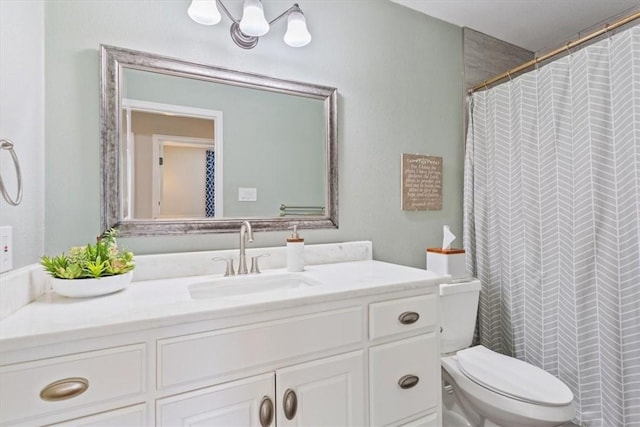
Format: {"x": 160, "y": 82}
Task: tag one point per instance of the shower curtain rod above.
{"x": 608, "y": 27}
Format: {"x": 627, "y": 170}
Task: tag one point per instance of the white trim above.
{"x": 131, "y": 168}
{"x": 186, "y": 141}
{"x": 156, "y": 177}
{"x": 180, "y": 110}
{"x": 218, "y": 176}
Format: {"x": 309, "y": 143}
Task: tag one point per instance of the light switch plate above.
{"x": 6, "y": 249}
{"x": 246, "y": 194}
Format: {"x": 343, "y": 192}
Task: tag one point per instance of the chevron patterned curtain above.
{"x": 552, "y": 223}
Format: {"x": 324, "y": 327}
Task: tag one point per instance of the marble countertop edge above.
{"x": 163, "y": 302}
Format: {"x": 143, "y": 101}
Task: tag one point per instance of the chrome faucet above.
{"x": 245, "y": 235}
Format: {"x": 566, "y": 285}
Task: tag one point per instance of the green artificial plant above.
{"x": 91, "y": 261}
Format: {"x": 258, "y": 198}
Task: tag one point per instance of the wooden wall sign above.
{"x": 421, "y": 183}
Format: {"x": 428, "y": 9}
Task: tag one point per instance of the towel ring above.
{"x": 6, "y": 144}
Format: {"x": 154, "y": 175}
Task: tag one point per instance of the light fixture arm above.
{"x": 226, "y": 12}
{"x": 293, "y": 8}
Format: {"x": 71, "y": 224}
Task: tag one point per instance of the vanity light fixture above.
{"x": 246, "y": 31}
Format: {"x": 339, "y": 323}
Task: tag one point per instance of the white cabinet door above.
{"x": 327, "y": 392}
{"x": 238, "y": 403}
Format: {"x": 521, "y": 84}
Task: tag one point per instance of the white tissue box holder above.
{"x": 447, "y": 261}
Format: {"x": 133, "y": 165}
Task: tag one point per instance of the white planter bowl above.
{"x": 83, "y": 288}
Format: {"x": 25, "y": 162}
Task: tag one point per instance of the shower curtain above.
{"x": 552, "y": 223}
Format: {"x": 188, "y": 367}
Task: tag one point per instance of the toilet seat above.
{"x": 502, "y": 410}
{"x": 512, "y": 378}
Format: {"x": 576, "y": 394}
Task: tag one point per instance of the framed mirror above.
{"x": 192, "y": 148}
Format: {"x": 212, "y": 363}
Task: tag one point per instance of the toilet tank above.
{"x": 458, "y": 310}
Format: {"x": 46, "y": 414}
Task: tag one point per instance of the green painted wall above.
{"x": 399, "y": 78}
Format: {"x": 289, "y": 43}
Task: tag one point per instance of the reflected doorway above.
{"x": 183, "y": 184}
{"x": 173, "y": 162}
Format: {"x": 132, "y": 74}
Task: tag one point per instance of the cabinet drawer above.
{"x": 402, "y": 315}
{"x": 212, "y": 354}
{"x": 111, "y": 374}
{"x": 389, "y": 363}
{"x": 132, "y": 416}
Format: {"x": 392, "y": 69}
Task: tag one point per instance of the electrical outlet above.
{"x": 247, "y": 194}
{"x": 6, "y": 249}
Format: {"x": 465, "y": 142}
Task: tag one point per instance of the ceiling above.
{"x": 535, "y": 25}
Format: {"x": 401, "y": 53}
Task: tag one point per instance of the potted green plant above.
{"x": 91, "y": 270}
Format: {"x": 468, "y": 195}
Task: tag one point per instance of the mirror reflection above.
{"x": 193, "y": 148}
{"x": 204, "y": 149}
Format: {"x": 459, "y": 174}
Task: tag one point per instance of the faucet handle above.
{"x": 255, "y": 269}
{"x": 229, "y": 271}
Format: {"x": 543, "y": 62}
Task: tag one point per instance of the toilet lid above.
{"x": 512, "y": 377}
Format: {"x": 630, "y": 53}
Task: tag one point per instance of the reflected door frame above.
{"x": 129, "y": 105}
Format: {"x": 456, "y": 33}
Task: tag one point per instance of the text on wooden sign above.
{"x": 421, "y": 183}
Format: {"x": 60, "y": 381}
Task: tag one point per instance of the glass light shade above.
{"x": 297, "y": 34}
{"x": 253, "y": 22}
{"x": 204, "y": 12}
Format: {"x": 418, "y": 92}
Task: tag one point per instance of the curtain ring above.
{"x": 606, "y": 31}
{"x": 566, "y": 47}
{"x": 509, "y": 74}
{"x": 485, "y": 85}
{"x": 7, "y": 144}
{"x": 536, "y": 64}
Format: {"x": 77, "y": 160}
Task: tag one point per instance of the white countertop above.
{"x": 155, "y": 303}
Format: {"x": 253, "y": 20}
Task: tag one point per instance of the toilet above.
{"x": 482, "y": 388}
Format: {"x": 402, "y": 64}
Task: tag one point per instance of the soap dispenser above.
{"x": 295, "y": 251}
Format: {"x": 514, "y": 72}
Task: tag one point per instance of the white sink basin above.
{"x": 252, "y": 284}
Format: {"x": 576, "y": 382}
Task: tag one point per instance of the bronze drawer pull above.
{"x": 408, "y": 317}
{"x": 290, "y": 404}
{"x": 266, "y": 412}
{"x": 67, "y": 388}
{"x": 408, "y": 381}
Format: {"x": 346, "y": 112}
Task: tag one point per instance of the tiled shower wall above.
{"x": 486, "y": 57}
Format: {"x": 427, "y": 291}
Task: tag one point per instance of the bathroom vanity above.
{"x": 352, "y": 343}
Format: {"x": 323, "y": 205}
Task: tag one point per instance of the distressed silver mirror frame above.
{"x": 114, "y": 59}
